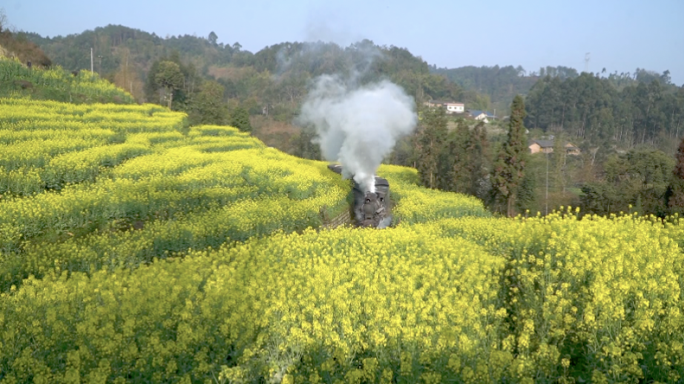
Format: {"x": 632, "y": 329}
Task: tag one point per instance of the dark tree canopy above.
{"x": 240, "y": 119}
{"x": 638, "y": 178}
{"x": 675, "y": 191}
{"x": 595, "y": 110}
{"x": 429, "y": 147}
{"x": 207, "y": 106}
{"x": 509, "y": 169}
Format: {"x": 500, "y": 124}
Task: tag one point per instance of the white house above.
{"x": 454, "y": 108}
{"x": 451, "y": 107}
{"x": 483, "y": 116}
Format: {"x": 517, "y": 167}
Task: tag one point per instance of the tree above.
{"x": 207, "y": 106}
{"x": 639, "y": 177}
{"x": 126, "y": 77}
{"x": 509, "y": 169}
{"x": 169, "y": 77}
{"x": 212, "y": 38}
{"x": 526, "y": 196}
{"x": 675, "y": 192}
{"x": 478, "y": 164}
{"x": 304, "y": 145}
{"x": 239, "y": 119}
{"x": 430, "y": 145}
{"x": 455, "y": 159}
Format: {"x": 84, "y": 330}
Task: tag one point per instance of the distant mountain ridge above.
{"x": 119, "y": 49}
{"x": 501, "y": 84}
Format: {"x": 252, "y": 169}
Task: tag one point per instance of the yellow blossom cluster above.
{"x": 419, "y": 204}
{"x": 176, "y": 254}
{"x": 470, "y": 299}
{"x": 87, "y": 87}
{"x": 73, "y": 198}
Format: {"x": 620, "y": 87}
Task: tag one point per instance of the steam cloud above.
{"x": 358, "y": 126}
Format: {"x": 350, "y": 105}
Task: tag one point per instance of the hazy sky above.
{"x": 619, "y": 34}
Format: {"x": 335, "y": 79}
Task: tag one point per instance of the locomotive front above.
{"x": 370, "y": 209}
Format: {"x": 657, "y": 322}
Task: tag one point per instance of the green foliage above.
{"x": 592, "y": 109}
{"x": 207, "y": 106}
{"x": 16, "y": 80}
{"x": 169, "y": 77}
{"x": 674, "y": 197}
{"x": 559, "y": 161}
{"x": 638, "y": 176}
{"x": 305, "y": 145}
{"x": 276, "y": 77}
{"x": 451, "y": 160}
{"x": 509, "y": 169}
{"x": 171, "y": 82}
{"x": 479, "y": 162}
{"x": 429, "y": 146}
{"x": 454, "y": 161}
{"x": 467, "y": 160}
{"x": 213, "y": 38}
{"x": 495, "y": 87}
{"x": 239, "y": 118}
{"x": 526, "y": 196}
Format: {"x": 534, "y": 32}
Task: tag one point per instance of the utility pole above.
{"x": 91, "y": 60}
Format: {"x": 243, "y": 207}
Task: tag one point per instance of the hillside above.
{"x": 246, "y": 76}
{"x": 501, "y": 83}
{"x": 134, "y": 248}
{"x": 224, "y": 84}
{"x": 16, "y": 79}
{"x": 20, "y": 48}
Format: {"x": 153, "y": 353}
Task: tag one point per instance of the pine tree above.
{"x": 675, "y": 191}
{"x": 430, "y": 145}
{"x": 240, "y": 119}
{"x": 455, "y": 161}
{"x": 509, "y": 169}
{"x": 478, "y": 162}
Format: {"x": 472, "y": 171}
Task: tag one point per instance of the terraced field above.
{"x": 137, "y": 249}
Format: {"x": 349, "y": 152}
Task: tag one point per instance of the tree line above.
{"x": 595, "y": 111}
{"x": 463, "y": 160}
{"x": 511, "y": 181}
{"x": 498, "y": 85}
{"x": 213, "y": 81}
{"x": 275, "y": 77}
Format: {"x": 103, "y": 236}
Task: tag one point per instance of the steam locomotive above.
{"x": 369, "y": 209}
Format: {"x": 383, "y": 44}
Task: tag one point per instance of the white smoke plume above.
{"x": 358, "y": 125}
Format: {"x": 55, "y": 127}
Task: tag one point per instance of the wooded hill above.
{"x": 274, "y": 77}
{"x": 499, "y": 85}
{"x": 606, "y": 116}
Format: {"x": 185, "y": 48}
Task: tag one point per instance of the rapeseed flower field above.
{"x": 137, "y": 249}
